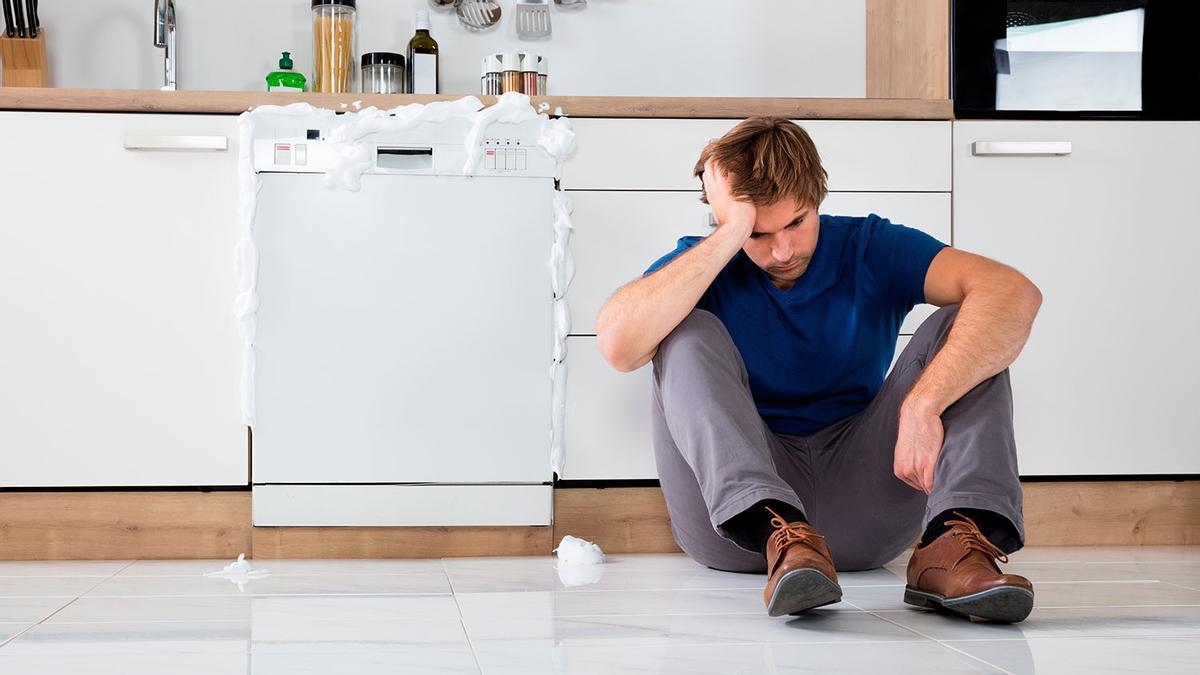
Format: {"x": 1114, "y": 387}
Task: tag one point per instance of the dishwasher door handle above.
{"x": 154, "y": 142}
{"x": 1021, "y": 148}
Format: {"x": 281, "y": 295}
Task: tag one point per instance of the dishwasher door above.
{"x": 404, "y": 331}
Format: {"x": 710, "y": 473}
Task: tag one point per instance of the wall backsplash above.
{"x": 810, "y": 48}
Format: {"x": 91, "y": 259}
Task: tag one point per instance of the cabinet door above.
{"x": 1107, "y": 382}
{"x": 617, "y": 235}
{"x": 120, "y": 357}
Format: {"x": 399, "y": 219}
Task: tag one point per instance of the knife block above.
{"x": 24, "y": 61}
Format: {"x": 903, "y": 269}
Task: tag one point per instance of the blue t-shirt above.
{"x": 818, "y": 352}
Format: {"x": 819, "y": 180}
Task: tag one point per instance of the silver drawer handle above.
{"x": 151, "y": 142}
{"x": 1021, "y": 148}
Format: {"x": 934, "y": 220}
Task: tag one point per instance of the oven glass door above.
{"x": 1121, "y": 58}
{"x": 1077, "y": 56}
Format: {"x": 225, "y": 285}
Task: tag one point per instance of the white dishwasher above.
{"x": 404, "y": 330}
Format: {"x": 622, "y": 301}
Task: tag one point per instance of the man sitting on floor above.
{"x": 773, "y": 419}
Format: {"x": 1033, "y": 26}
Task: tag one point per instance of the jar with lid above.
{"x": 383, "y": 73}
{"x": 529, "y": 72}
{"x": 333, "y": 45}
{"x": 491, "y": 75}
{"x": 543, "y": 73}
{"x": 511, "y": 73}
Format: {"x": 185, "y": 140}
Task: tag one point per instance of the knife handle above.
{"x": 19, "y": 11}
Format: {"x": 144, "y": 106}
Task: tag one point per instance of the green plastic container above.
{"x": 285, "y": 79}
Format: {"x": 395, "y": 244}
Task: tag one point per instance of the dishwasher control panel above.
{"x": 504, "y": 154}
{"x": 509, "y": 150}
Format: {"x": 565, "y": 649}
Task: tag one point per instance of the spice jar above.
{"x": 491, "y": 76}
{"x": 382, "y": 73}
{"x": 529, "y": 72}
{"x": 511, "y": 74}
{"x": 543, "y": 73}
{"x": 333, "y": 45}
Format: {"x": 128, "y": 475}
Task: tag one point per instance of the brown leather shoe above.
{"x": 800, "y": 574}
{"x": 957, "y": 571}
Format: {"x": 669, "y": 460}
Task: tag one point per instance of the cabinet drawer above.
{"x": 619, "y": 234}
{"x": 859, "y": 155}
{"x": 607, "y": 426}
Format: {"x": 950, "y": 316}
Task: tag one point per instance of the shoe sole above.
{"x": 1006, "y": 604}
{"x": 801, "y": 590}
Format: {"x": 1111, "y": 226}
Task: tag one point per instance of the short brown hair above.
{"x": 768, "y": 159}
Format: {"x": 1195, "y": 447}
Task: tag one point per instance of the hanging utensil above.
{"x": 533, "y": 18}
{"x": 478, "y": 14}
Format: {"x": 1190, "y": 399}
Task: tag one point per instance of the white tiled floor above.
{"x": 1097, "y": 610}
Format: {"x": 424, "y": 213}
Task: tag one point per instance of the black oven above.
{"x": 1054, "y": 59}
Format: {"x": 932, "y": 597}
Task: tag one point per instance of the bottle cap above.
{"x": 422, "y": 19}
{"x": 511, "y": 61}
{"x": 286, "y": 62}
{"x": 493, "y": 63}
{"x": 528, "y": 61}
{"x": 344, "y": 3}
{"x": 542, "y": 63}
{"x": 385, "y": 58}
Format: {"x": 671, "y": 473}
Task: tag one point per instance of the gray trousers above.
{"x": 716, "y": 457}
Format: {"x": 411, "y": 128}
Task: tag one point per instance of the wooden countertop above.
{"x": 233, "y": 102}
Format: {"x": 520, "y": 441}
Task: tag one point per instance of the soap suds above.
{"x": 562, "y": 271}
{"x": 575, "y": 551}
{"x": 240, "y": 572}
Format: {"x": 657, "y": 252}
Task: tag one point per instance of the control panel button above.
{"x": 283, "y": 154}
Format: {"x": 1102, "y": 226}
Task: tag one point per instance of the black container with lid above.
{"x": 383, "y": 73}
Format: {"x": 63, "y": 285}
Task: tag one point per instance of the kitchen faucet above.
{"x": 164, "y": 36}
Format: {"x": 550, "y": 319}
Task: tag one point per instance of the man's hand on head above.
{"x": 737, "y": 214}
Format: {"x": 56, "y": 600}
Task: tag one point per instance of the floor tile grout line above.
{"x": 461, "y": 619}
{"x": 936, "y": 641}
{"x": 73, "y": 600}
{"x": 1175, "y": 583}
{"x": 973, "y": 657}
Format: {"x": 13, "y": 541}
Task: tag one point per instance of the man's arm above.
{"x": 640, "y": 314}
{"x": 997, "y": 306}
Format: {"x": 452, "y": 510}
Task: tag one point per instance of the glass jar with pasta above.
{"x": 333, "y": 45}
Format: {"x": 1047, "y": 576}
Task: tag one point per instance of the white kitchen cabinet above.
{"x": 634, "y": 195}
{"x": 120, "y": 356}
{"x": 1107, "y": 381}
{"x": 618, "y": 234}
{"x": 858, "y": 155}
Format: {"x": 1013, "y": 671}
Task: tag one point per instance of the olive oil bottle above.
{"x": 423, "y": 60}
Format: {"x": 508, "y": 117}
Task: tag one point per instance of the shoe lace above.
{"x": 973, "y": 539}
{"x": 785, "y": 533}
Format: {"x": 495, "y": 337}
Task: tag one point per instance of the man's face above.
{"x": 783, "y": 241}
